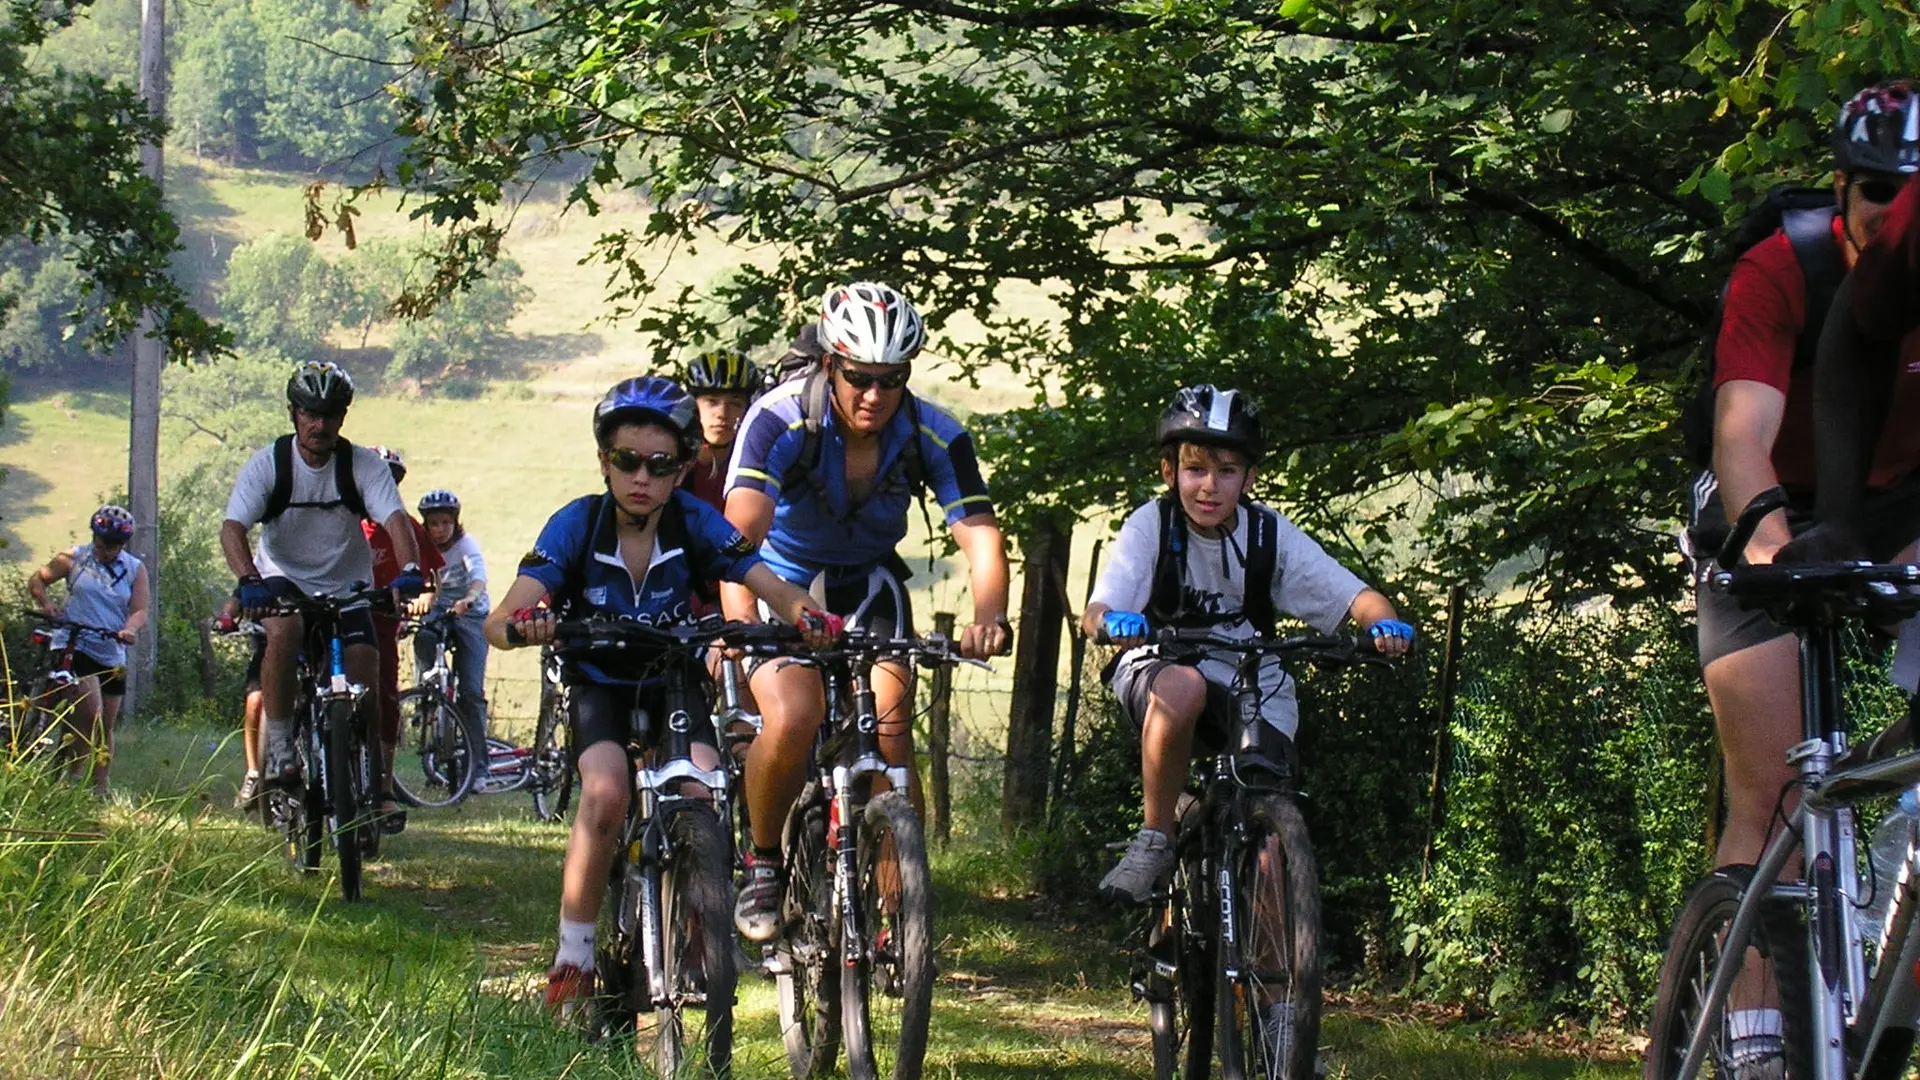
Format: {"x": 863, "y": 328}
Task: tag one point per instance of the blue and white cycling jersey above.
{"x": 816, "y": 526}
{"x": 577, "y": 558}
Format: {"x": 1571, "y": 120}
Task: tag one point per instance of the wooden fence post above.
{"x": 940, "y": 739}
{"x": 1036, "y": 679}
{"x": 1443, "y": 731}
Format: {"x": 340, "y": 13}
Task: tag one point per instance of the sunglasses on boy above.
{"x": 1879, "y": 190}
{"x": 862, "y": 381}
{"x": 659, "y": 463}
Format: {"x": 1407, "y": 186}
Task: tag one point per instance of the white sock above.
{"x": 1755, "y": 1033}
{"x": 576, "y": 944}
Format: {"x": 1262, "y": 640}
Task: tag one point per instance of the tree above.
{"x": 326, "y": 96}
{"x": 451, "y": 344}
{"x": 70, "y": 168}
{"x": 51, "y": 320}
{"x": 219, "y": 86}
{"x": 283, "y": 295}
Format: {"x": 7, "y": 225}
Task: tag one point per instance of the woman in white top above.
{"x": 460, "y": 588}
{"x": 106, "y": 588}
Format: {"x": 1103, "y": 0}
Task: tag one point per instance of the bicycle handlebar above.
{"x": 1843, "y": 588}
{"x": 1324, "y": 650}
{"x": 60, "y": 622}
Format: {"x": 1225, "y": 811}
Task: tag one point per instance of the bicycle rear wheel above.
{"x": 807, "y": 962}
{"x": 1178, "y": 984}
{"x": 1695, "y": 953}
{"x": 1269, "y": 1016}
{"x": 552, "y": 782}
{"x": 430, "y": 765}
{"x": 886, "y": 1001}
{"x": 345, "y": 795}
{"x": 696, "y": 946}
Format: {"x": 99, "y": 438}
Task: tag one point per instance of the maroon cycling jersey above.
{"x": 1765, "y": 308}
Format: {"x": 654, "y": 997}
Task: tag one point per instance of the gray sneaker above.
{"x": 1148, "y": 861}
{"x": 1762, "y": 1066}
{"x": 757, "y": 912}
{"x": 249, "y": 795}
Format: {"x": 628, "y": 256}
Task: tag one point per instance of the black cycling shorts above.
{"x": 875, "y": 600}
{"x": 602, "y": 712}
{"x": 355, "y": 624}
{"x": 1726, "y": 627}
{"x": 113, "y": 682}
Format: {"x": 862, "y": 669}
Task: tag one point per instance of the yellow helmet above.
{"x": 725, "y": 371}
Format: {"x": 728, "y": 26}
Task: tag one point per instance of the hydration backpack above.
{"x": 1166, "y": 601}
{"x": 280, "y": 497}
{"x": 1806, "y": 215}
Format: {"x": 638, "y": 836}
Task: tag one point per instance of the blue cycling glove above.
{"x": 254, "y": 595}
{"x": 410, "y": 582}
{"x": 1391, "y": 628}
{"x": 1119, "y": 625}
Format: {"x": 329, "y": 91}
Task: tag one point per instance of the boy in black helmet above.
{"x": 1185, "y": 560}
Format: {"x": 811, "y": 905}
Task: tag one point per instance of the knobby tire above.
{"x": 696, "y": 939}
{"x": 886, "y": 1002}
{"x": 552, "y": 762}
{"x": 432, "y": 763}
{"x": 1276, "y": 919}
{"x": 807, "y": 981}
{"x": 343, "y": 796}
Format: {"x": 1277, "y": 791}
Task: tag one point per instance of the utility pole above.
{"x": 143, "y": 453}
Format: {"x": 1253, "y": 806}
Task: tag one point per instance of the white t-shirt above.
{"x": 464, "y": 567}
{"x": 1308, "y": 584}
{"x": 322, "y": 550}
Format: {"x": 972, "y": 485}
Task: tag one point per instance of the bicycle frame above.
{"x": 1844, "y": 1001}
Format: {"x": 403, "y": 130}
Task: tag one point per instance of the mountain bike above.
{"x": 337, "y": 799}
{"x": 1228, "y": 959}
{"x": 33, "y": 722}
{"x": 853, "y": 959}
{"x": 550, "y": 770}
{"x": 666, "y": 928}
{"x": 433, "y": 763}
{"x": 1847, "y": 992}
{"x": 737, "y": 727}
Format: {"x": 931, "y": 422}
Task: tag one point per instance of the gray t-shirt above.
{"x": 320, "y": 549}
{"x": 464, "y": 567}
{"x": 1308, "y": 584}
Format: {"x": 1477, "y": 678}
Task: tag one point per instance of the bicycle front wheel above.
{"x": 552, "y": 768}
{"x": 696, "y": 946}
{"x": 886, "y": 1001}
{"x": 1269, "y": 1014}
{"x": 1696, "y": 952}
{"x": 431, "y": 763}
{"x": 806, "y": 962}
{"x": 344, "y": 795}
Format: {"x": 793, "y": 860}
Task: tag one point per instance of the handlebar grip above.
{"x": 1774, "y": 498}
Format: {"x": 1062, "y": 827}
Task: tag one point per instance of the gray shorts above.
{"x": 1726, "y": 627}
{"x": 1133, "y": 685}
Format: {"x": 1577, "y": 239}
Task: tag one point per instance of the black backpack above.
{"x": 816, "y": 402}
{"x": 1166, "y": 602}
{"x": 280, "y": 497}
{"x": 1806, "y": 215}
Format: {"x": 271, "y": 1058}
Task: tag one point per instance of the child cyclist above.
{"x": 1183, "y": 560}
{"x": 631, "y": 552}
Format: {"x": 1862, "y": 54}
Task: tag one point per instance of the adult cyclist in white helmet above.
{"x": 824, "y": 472}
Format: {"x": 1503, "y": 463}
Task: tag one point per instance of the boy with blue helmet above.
{"x": 634, "y": 551}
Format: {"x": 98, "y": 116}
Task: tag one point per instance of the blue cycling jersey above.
{"x": 816, "y": 525}
{"x": 577, "y": 559}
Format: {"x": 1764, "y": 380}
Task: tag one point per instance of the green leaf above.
{"x": 1557, "y": 121}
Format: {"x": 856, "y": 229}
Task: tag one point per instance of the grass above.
{"x": 161, "y": 936}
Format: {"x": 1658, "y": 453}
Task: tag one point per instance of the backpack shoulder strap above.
{"x": 344, "y": 482}
{"x": 814, "y": 405}
{"x": 281, "y": 493}
{"x": 913, "y": 456}
{"x": 1263, "y": 546}
{"x": 1169, "y": 562}
{"x": 1822, "y": 266}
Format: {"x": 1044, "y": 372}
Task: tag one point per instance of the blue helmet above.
{"x": 648, "y": 398}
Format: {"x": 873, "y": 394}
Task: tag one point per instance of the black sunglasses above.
{"x": 630, "y": 461}
{"x": 860, "y": 380}
{"x": 1879, "y": 192}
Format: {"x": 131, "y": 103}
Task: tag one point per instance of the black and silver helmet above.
{"x": 1210, "y": 417}
{"x": 321, "y": 389}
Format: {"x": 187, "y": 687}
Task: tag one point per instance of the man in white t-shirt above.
{"x": 308, "y": 493}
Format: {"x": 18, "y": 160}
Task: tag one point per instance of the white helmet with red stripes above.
{"x": 869, "y": 323}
